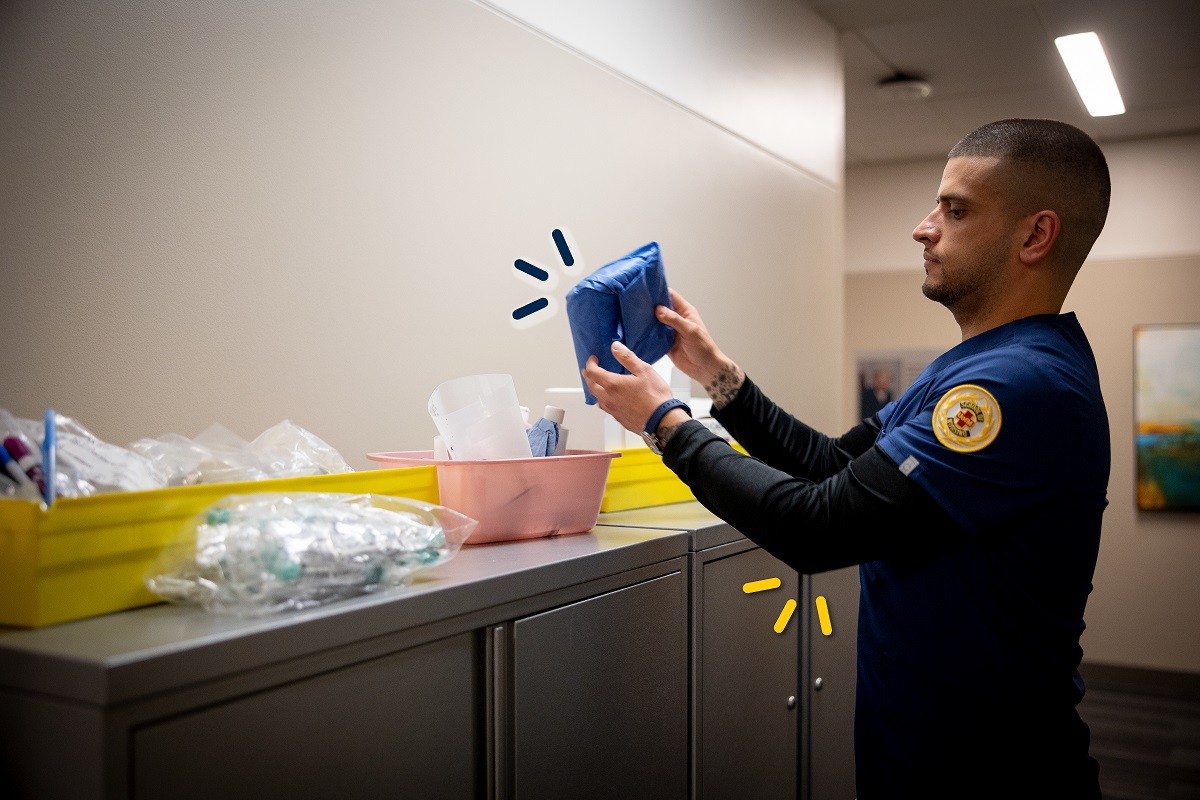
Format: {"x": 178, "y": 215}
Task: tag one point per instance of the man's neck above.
{"x": 977, "y": 325}
{"x": 980, "y": 317}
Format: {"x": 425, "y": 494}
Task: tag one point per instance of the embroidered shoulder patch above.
{"x": 966, "y": 419}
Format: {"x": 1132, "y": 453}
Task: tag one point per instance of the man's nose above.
{"x": 925, "y": 230}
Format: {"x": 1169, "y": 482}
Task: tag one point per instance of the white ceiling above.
{"x": 993, "y": 59}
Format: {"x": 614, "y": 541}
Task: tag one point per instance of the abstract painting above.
{"x": 1167, "y": 412}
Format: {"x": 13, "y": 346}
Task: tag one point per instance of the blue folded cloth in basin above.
{"x": 616, "y": 303}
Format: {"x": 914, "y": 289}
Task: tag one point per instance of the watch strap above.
{"x": 660, "y": 412}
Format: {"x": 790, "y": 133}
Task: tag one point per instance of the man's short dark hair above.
{"x": 1050, "y": 165}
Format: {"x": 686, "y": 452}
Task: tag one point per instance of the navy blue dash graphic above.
{"x": 560, "y": 242}
{"x": 527, "y": 309}
{"x": 530, "y": 269}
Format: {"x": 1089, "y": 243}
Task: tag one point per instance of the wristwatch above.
{"x": 650, "y": 434}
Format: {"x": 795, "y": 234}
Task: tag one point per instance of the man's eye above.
{"x": 957, "y": 213}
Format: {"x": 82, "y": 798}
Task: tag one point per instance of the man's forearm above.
{"x": 724, "y": 385}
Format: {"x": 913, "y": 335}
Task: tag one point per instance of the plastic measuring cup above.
{"x": 478, "y": 417}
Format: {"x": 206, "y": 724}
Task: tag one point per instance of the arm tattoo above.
{"x": 725, "y": 385}
{"x": 665, "y": 433}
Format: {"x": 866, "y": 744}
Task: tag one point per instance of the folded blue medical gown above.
{"x": 616, "y": 303}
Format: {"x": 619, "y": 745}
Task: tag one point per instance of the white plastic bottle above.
{"x": 557, "y": 415}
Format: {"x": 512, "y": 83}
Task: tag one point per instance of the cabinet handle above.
{"x": 791, "y": 702}
{"x": 818, "y": 683}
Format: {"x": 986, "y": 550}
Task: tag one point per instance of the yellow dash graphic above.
{"x": 823, "y": 614}
{"x": 761, "y": 586}
{"x": 785, "y": 615}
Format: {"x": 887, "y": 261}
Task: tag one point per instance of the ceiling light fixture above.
{"x": 1093, "y": 77}
{"x": 904, "y": 87}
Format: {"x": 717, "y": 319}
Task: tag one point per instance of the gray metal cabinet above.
{"x": 591, "y": 696}
{"x": 544, "y": 668}
{"x": 406, "y": 723}
{"x": 188, "y": 717}
{"x": 598, "y": 705}
{"x": 626, "y": 662}
{"x": 746, "y": 676}
{"x": 749, "y": 696}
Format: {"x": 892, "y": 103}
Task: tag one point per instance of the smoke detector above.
{"x": 904, "y": 87}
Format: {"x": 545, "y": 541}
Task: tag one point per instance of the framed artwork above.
{"x": 1166, "y": 401}
{"x": 884, "y": 374}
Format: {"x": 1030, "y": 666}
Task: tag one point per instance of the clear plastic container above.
{"x": 478, "y": 417}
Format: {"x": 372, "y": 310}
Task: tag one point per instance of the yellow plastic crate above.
{"x": 640, "y": 479}
{"x": 86, "y": 556}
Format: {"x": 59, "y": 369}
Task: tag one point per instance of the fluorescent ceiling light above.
{"x": 1089, "y": 69}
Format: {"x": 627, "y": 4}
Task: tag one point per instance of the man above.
{"x": 973, "y": 502}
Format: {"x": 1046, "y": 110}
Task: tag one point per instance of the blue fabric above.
{"x": 543, "y": 437}
{"x": 616, "y": 304}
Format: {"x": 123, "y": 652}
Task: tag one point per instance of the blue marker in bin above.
{"x": 49, "y": 457}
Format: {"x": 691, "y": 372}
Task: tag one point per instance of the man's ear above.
{"x": 1041, "y": 234}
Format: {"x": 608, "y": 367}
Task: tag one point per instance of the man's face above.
{"x": 969, "y": 237}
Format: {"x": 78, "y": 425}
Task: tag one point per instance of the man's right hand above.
{"x": 696, "y": 354}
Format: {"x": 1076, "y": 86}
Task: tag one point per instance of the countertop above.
{"x": 104, "y": 660}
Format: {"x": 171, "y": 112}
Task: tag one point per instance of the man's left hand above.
{"x": 632, "y": 398}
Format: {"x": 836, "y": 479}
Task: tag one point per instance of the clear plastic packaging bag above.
{"x": 257, "y": 554}
{"x": 218, "y": 455}
{"x": 84, "y": 464}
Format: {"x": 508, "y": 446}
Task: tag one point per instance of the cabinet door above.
{"x": 748, "y": 676}
{"x": 831, "y": 692}
{"x": 599, "y": 704}
{"x": 409, "y": 724}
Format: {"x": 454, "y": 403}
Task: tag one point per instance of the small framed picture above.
{"x": 883, "y": 375}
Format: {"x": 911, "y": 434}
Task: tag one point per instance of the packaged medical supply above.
{"x": 85, "y": 556}
{"x": 83, "y": 465}
{"x": 218, "y": 455}
{"x": 616, "y": 304}
{"x": 258, "y": 554}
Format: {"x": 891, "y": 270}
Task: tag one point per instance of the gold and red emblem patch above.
{"x": 966, "y": 419}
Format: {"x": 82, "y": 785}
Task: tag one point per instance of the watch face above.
{"x": 652, "y": 442}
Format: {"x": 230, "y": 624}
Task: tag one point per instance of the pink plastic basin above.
{"x": 518, "y": 498}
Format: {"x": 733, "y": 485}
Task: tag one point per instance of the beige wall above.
{"x": 240, "y": 211}
{"x": 758, "y": 68}
{"x": 1152, "y": 215}
{"x": 1145, "y": 606}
